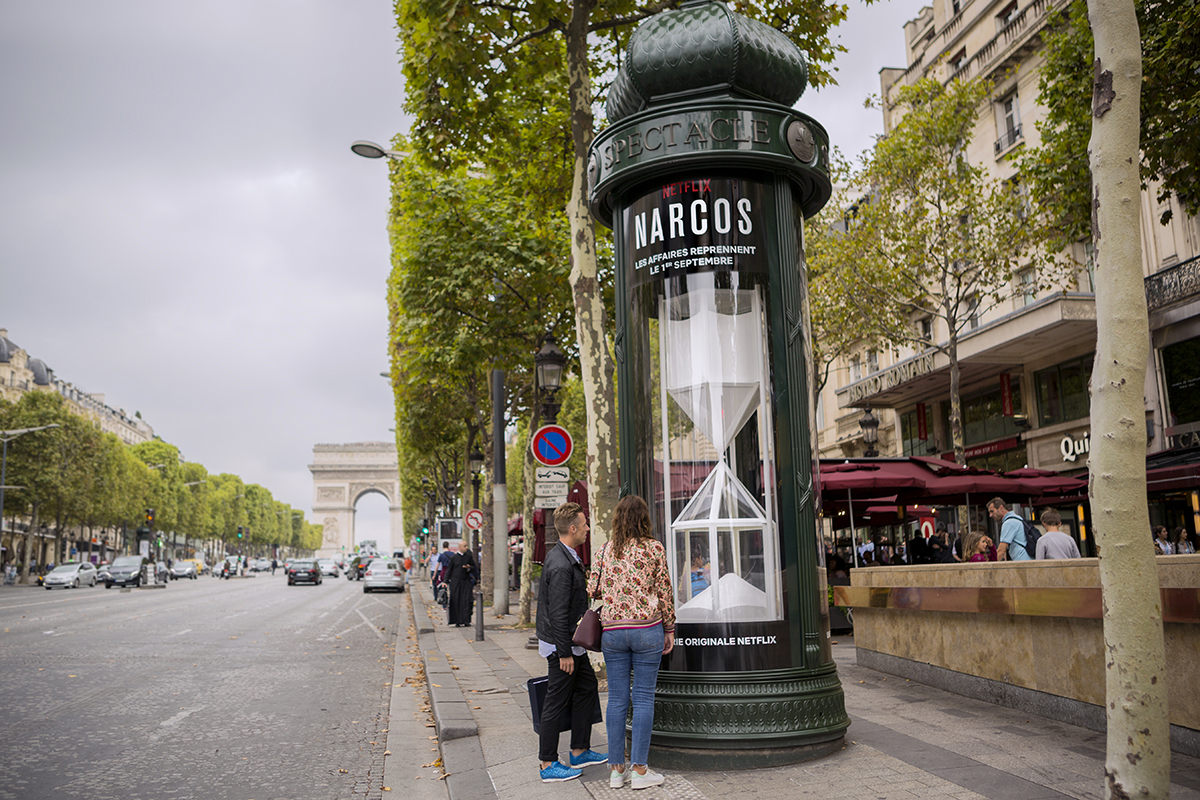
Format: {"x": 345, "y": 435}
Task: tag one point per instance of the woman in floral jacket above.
{"x": 631, "y": 577}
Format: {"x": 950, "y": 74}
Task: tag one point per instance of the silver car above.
{"x": 71, "y": 575}
{"x": 328, "y": 567}
{"x": 384, "y": 573}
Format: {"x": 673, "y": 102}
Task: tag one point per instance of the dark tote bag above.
{"x": 537, "y": 698}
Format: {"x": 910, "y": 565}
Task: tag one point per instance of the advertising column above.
{"x": 706, "y": 192}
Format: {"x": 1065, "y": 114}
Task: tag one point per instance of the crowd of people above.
{"x": 1018, "y": 541}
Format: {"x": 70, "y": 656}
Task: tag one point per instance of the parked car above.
{"x": 184, "y": 569}
{"x": 126, "y": 571}
{"x": 329, "y": 567}
{"x": 72, "y": 574}
{"x": 384, "y": 573}
{"x": 304, "y": 569}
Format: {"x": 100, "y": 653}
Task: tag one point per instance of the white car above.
{"x": 71, "y": 575}
{"x": 384, "y": 573}
{"x": 328, "y": 567}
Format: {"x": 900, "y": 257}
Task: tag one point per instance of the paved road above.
{"x": 206, "y": 689}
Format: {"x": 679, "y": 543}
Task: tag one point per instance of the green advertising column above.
{"x": 705, "y": 175}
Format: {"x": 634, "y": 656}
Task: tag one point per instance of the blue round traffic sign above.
{"x": 552, "y": 445}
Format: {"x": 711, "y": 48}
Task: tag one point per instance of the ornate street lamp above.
{"x": 549, "y": 363}
{"x": 870, "y": 431}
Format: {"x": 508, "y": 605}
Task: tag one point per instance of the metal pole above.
{"x": 3, "y": 482}
{"x": 478, "y": 584}
{"x": 499, "y": 501}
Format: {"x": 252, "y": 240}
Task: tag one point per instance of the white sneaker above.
{"x": 617, "y": 779}
{"x": 651, "y": 778}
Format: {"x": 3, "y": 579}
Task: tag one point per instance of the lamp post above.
{"x": 870, "y": 431}
{"x": 548, "y": 364}
{"x": 6, "y": 437}
{"x": 368, "y": 149}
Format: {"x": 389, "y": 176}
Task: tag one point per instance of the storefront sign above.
{"x": 992, "y": 447}
{"x": 922, "y": 426}
{"x": 1183, "y": 441}
{"x": 1072, "y": 448}
{"x": 891, "y": 378}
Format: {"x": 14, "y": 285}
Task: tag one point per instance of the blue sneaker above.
{"x": 587, "y": 758}
{"x": 558, "y": 771}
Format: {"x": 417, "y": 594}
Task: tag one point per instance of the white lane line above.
{"x": 180, "y": 633}
{"x": 374, "y": 627}
{"x": 178, "y": 718}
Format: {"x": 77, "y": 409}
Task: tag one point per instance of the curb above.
{"x": 450, "y": 712}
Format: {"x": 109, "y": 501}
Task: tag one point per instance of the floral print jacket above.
{"x": 636, "y": 588}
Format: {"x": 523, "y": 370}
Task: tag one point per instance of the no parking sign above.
{"x": 551, "y": 445}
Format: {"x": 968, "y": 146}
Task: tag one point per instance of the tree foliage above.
{"x": 1057, "y": 171}
{"x": 76, "y": 476}
{"x": 932, "y": 236}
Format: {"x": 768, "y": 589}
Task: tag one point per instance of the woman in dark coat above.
{"x": 463, "y": 574}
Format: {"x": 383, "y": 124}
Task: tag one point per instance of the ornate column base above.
{"x": 744, "y": 720}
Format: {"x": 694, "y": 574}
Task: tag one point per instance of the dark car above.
{"x": 126, "y": 571}
{"x": 304, "y": 569}
{"x": 357, "y": 567}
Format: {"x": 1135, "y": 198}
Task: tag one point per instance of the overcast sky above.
{"x": 184, "y": 229}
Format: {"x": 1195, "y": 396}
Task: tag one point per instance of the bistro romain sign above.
{"x": 891, "y": 378}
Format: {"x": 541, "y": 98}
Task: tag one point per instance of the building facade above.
{"x": 19, "y": 373}
{"x": 1026, "y": 363}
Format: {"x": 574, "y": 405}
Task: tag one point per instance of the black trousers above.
{"x": 577, "y": 691}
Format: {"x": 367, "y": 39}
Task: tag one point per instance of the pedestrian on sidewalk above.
{"x": 464, "y": 572}
{"x": 1054, "y": 543}
{"x": 571, "y": 681}
{"x": 638, "y": 619}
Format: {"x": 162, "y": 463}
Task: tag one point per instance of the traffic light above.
{"x": 149, "y": 517}
{"x": 239, "y": 531}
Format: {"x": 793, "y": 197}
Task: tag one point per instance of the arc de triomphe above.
{"x": 343, "y": 473}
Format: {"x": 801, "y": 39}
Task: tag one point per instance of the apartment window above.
{"x": 925, "y": 329}
{"x": 1089, "y": 263}
{"x": 1062, "y": 390}
{"x": 973, "y": 311}
{"x": 1006, "y": 16}
{"x": 855, "y": 369}
{"x": 1026, "y": 286}
{"x": 872, "y": 362}
{"x": 955, "y": 7}
{"x": 958, "y": 61}
{"x": 1008, "y": 122}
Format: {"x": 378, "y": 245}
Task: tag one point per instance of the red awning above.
{"x": 1180, "y": 477}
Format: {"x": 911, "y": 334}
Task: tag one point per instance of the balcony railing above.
{"x": 1009, "y": 139}
{"x": 1173, "y": 285}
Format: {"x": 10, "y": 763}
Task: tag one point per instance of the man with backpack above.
{"x": 1018, "y": 538}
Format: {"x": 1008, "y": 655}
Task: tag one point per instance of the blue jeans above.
{"x": 637, "y": 651}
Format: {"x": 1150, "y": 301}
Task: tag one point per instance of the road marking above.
{"x": 178, "y": 718}
{"x": 374, "y": 627}
{"x": 180, "y": 633}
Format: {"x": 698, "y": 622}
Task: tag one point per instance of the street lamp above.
{"x": 6, "y": 437}
{"x": 549, "y": 363}
{"x": 368, "y": 149}
{"x": 870, "y": 431}
{"x": 475, "y": 463}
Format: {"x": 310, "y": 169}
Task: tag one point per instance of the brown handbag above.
{"x": 590, "y": 631}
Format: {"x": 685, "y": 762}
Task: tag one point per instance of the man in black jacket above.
{"x": 562, "y": 599}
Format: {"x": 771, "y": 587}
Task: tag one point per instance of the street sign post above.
{"x": 552, "y": 445}
{"x": 474, "y": 519}
{"x": 551, "y": 489}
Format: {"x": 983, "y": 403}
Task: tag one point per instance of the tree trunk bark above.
{"x": 1139, "y": 748}
{"x": 595, "y": 362}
